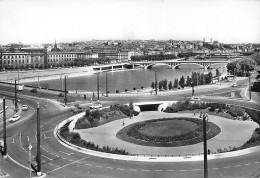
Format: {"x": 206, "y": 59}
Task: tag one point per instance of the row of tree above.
{"x": 195, "y": 79}
{"x": 244, "y": 66}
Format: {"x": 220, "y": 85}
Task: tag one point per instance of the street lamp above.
{"x": 30, "y": 160}
{"x": 205, "y": 117}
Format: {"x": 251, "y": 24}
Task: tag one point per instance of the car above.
{"x": 25, "y": 107}
{"x": 77, "y": 110}
{"x": 96, "y": 106}
{"x": 14, "y": 118}
{"x": 195, "y": 99}
{"x": 234, "y": 85}
{"x": 34, "y": 90}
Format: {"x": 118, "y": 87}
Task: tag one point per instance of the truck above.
{"x": 19, "y": 87}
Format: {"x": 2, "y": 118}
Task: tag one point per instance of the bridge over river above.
{"x": 175, "y": 63}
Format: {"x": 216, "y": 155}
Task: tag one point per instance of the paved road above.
{"x": 59, "y": 161}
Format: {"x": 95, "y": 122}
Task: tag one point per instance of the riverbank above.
{"x": 47, "y": 74}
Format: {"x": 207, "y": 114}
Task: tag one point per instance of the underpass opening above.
{"x": 149, "y": 107}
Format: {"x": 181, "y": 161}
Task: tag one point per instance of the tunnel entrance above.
{"x": 149, "y": 107}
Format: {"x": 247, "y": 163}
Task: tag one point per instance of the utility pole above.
{"x": 205, "y": 147}
{"x": 98, "y": 86}
{"x": 38, "y": 142}
{"x": 15, "y": 96}
{"x": 249, "y": 87}
{"x": 30, "y": 160}
{"x": 38, "y": 81}
{"x": 4, "y": 128}
{"x": 106, "y": 86}
{"x": 65, "y": 90}
{"x": 156, "y": 84}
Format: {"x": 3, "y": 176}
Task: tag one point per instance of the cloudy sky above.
{"x": 41, "y": 21}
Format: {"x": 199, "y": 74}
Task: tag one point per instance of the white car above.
{"x": 24, "y": 108}
{"x": 14, "y": 118}
{"x": 195, "y": 99}
{"x": 95, "y": 106}
{"x": 234, "y": 85}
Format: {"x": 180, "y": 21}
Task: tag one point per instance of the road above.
{"x": 59, "y": 161}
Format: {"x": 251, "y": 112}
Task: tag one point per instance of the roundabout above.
{"x": 230, "y": 135}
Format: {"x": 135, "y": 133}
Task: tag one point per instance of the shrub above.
{"x": 236, "y": 111}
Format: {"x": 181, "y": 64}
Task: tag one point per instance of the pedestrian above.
{"x": 123, "y": 122}
{"x": 194, "y": 113}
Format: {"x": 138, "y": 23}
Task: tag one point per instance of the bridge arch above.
{"x": 181, "y": 64}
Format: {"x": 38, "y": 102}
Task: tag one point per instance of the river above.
{"x": 127, "y": 79}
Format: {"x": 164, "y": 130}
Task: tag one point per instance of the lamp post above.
{"x": 249, "y": 87}
{"x": 30, "y": 160}
{"x": 106, "y": 86}
{"x": 38, "y": 141}
{"x": 98, "y": 86}
{"x": 156, "y": 84}
{"x": 205, "y": 146}
{"x": 4, "y": 128}
{"x": 65, "y": 90}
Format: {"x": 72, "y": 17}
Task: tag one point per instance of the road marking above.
{"x": 257, "y": 162}
{"x": 66, "y": 153}
{"x": 66, "y": 165}
{"x": 47, "y": 157}
{"x": 226, "y": 167}
{"x": 120, "y": 169}
{"x": 13, "y": 140}
{"x": 183, "y": 170}
{"x": 88, "y": 164}
{"x": 99, "y": 166}
{"x": 109, "y": 167}
{"x": 132, "y": 169}
{"x": 215, "y": 168}
{"x": 196, "y": 169}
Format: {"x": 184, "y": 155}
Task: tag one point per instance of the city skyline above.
{"x": 37, "y": 21}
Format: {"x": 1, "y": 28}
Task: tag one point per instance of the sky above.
{"x": 44, "y": 21}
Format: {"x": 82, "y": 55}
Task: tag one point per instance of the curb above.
{"x": 19, "y": 164}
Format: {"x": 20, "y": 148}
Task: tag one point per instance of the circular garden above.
{"x": 167, "y": 132}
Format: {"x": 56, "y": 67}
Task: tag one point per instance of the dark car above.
{"x": 34, "y": 90}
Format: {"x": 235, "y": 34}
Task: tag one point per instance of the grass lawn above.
{"x": 169, "y": 128}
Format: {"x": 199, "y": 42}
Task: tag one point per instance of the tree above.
{"x": 161, "y": 85}
{"x": 176, "y": 83}
{"x": 208, "y": 78}
{"x": 194, "y": 78}
{"x": 188, "y": 81}
{"x": 165, "y": 84}
{"x": 182, "y": 82}
{"x": 170, "y": 86}
{"x": 247, "y": 65}
{"x": 217, "y": 73}
{"x": 233, "y": 66}
{"x": 152, "y": 85}
{"x": 202, "y": 79}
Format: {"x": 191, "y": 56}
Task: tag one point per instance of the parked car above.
{"x": 24, "y": 108}
{"x": 195, "y": 99}
{"x": 234, "y": 85}
{"x": 96, "y": 106}
{"x": 77, "y": 109}
{"x": 34, "y": 90}
{"x": 19, "y": 87}
{"x": 14, "y": 118}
